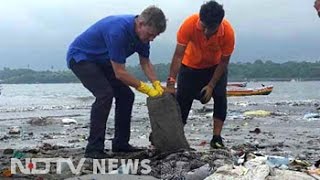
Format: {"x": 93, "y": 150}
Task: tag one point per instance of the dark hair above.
{"x": 211, "y": 13}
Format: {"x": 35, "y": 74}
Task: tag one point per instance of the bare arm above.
{"x": 221, "y": 68}
{"x": 123, "y": 75}
{"x": 176, "y": 60}
{"x": 148, "y": 69}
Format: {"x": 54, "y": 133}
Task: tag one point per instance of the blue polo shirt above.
{"x": 112, "y": 37}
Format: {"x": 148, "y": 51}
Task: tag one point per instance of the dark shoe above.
{"x": 216, "y": 142}
{"x": 96, "y": 155}
{"x": 151, "y": 139}
{"x": 126, "y": 149}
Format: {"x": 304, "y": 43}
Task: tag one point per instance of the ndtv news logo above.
{"x": 100, "y": 166}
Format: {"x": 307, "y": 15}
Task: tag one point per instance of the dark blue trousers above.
{"x": 100, "y": 80}
{"x": 190, "y": 83}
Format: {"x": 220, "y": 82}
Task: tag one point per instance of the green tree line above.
{"x": 258, "y": 70}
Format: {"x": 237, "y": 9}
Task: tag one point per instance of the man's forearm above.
{"x": 221, "y": 68}
{"x": 175, "y": 66}
{"x": 149, "y": 71}
{"x": 128, "y": 79}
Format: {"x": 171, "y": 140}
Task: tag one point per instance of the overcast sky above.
{"x": 36, "y": 33}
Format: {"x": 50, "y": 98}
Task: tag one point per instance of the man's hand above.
{"x": 146, "y": 89}
{"x": 206, "y": 94}
{"x": 157, "y": 86}
{"x": 170, "y": 88}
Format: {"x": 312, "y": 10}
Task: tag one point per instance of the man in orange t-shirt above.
{"x": 317, "y": 6}
{"x": 205, "y": 42}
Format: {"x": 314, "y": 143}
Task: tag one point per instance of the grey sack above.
{"x": 166, "y": 124}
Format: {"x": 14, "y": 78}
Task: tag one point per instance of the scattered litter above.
{"x": 18, "y": 154}
{"x": 68, "y": 121}
{"x": 278, "y": 161}
{"x": 257, "y": 113}
{"x": 256, "y": 130}
{"x": 311, "y": 116}
{"x": 14, "y": 130}
{"x": 8, "y": 151}
{"x": 203, "y": 143}
{"x": 287, "y": 174}
{"x": 6, "y": 173}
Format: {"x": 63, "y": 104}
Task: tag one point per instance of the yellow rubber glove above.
{"x": 157, "y": 86}
{"x": 146, "y": 89}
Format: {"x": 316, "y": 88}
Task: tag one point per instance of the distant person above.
{"x": 98, "y": 56}
{"x": 205, "y": 42}
{"x": 317, "y": 6}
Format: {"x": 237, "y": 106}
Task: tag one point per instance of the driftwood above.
{"x": 166, "y": 124}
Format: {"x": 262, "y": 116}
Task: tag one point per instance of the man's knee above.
{"x": 126, "y": 94}
{"x": 220, "y": 107}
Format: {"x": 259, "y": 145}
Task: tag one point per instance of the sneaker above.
{"x": 96, "y": 155}
{"x": 151, "y": 139}
{"x": 126, "y": 149}
{"x": 216, "y": 142}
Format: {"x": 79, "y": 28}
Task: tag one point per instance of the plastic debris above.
{"x": 311, "y": 116}
{"x": 290, "y": 175}
{"x": 18, "y": 154}
{"x": 257, "y": 113}
{"x": 278, "y": 161}
{"x": 203, "y": 143}
{"x": 199, "y": 173}
{"x": 6, "y": 173}
{"x": 14, "y": 130}
{"x": 256, "y": 130}
{"x": 68, "y": 121}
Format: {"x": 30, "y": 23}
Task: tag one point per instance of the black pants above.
{"x": 190, "y": 83}
{"x": 100, "y": 80}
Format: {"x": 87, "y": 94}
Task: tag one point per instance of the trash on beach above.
{"x": 287, "y": 174}
{"x": 278, "y": 161}
{"x": 6, "y": 173}
{"x": 8, "y": 151}
{"x": 317, "y": 164}
{"x": 257, "y": 113}
{"x": 14, "y": 130}
{"x": 203, "y": 143}
{"x": 18, "y": 154}
{"x": 240, "y": 172}
{"x": 311, "y": 116}
{"x": 199, "y": 173}
{"x": 314, "y": 171}
{"x": 68, "y": 121}
{"x": 166, "y": 124}
{"x": 299, "y": 164}
{"x": 42, "y": 121}
{"x": 256, "y": 131}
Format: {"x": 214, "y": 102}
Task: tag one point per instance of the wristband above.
{"x": 171, "y": 79}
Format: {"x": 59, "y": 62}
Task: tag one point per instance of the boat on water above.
{"x": 264, "y": 90}
{"x": 237, "y": 84}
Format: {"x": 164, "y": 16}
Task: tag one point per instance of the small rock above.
{"x": 256, "y": 130}
{"x": 14, "y": 130}
{"x": 74, "y": 141}
{"x": 302, "y": 156}
{"x": 5, "y": 137}
{"x": 8, "y": 151}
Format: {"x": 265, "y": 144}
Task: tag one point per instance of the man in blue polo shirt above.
{"x": 98, "y": 56}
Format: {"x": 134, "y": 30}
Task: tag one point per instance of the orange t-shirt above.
{"x": 201, "y": 52}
